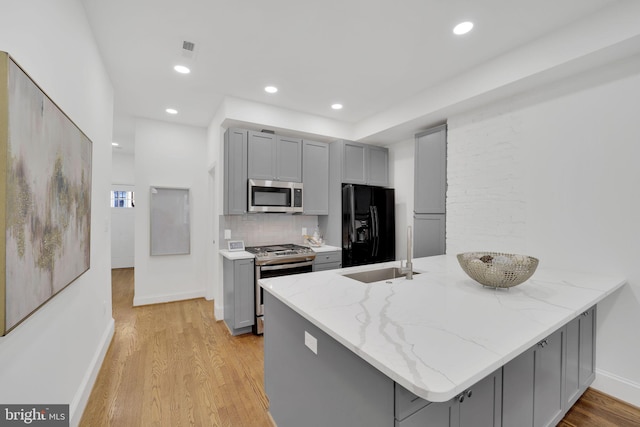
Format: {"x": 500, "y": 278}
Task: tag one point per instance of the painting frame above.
{"x": 45, "y": 197}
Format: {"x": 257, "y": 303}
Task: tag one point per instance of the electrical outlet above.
{"x": 311, "y": 342}
{"x": 304, "y": 231}
{"x": 227, "y": 234}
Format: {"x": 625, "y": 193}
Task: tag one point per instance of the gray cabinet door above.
{"x": 587, "y": 348}
{"x": 428, "y": 235}
{"x": 478, "y": 406}
{"x": 353, "y": 163}
{"x": 378, "y": 166}
{"x": 261, "y": 155}
{"x": 548, "y": 387}
{"x": 482, "y": 406}
{"x": 580, "y": 360}
{"x": 532, "y": 385}
{"x": 243, "y": 299}
{"x": 238, "y": 285}
{"x": 235, "y": 172}
{"x": 288, "y": 159}
{"x": 517, "y": 390}
{"x": 430, "y": 171}
{"x": 327, "y": 261}
{"x": 315, "y": 177}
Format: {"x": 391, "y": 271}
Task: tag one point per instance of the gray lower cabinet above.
{"x": 533, "y": 385}
{"x": 580, "y": 366}
{"x": 313, "y": 380}
{"x": 315, "y": 177}
{"x": 327, "y": 261}
{"x": 235, "y": 172}
{"x": 238, "y": 289}
{"x": 331, "y": 386}
{"x": 478, "y": 406}
{"x": 428, "y": 235}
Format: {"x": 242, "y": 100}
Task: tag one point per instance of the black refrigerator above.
{"x": 368, "y": 225}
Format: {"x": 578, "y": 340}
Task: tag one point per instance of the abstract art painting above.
{"x": 45, "y": 217}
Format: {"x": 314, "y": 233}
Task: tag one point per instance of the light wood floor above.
{"x": 174, "y": 365}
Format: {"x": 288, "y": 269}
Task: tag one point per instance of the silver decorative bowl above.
{"x": 496, "y": 269}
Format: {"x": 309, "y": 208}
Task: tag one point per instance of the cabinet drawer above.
{"x": 327, "y": 266}
{"x": 407, "y": 403}
{"x": 326, "y": 257}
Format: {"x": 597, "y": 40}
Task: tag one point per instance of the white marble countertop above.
{"x": 236, "y": 254}
{"x": 325, "y": 248}
{"x": 442, "y": 332}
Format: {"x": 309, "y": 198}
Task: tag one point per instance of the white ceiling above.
{"x": 366, "y": 54}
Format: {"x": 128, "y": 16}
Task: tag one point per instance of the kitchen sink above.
{"x": 377, "y": 275}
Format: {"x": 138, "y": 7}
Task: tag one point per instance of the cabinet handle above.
{"x": 460, "y": 397}
{"x": 469, "y": 393}
{"x": 543, "y": 343}
{"x": 586, "y": 313}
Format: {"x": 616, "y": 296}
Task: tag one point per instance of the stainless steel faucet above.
{"x": 408, "y": 268}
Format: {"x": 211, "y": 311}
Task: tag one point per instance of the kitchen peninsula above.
{"x": 437, "y": 350}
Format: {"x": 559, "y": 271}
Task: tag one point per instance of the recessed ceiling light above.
{"x": 336, "y": 106}
{"x": 182, "y": 69}
{"x": 463, "y": 28}
{"x": 271, "y": 89}
{"x": 115, "y": 144}
{"x": 171, "y": 111}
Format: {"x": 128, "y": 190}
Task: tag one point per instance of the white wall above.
{"x": 54, "y": 356}
{"x": 123, "y": 168}
{"x": 175, "y": 156}
{"x": 555, "y": 174}
{"x": 401, "y": 167}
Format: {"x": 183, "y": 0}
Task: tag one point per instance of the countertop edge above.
{"x": 445, "y": 395}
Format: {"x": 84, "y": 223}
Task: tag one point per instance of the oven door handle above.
{"x": 285, "y": 266}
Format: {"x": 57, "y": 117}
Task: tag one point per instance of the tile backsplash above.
{"x": 266, "y": 229}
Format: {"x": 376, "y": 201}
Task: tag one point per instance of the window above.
{"x": 122, "y": 199}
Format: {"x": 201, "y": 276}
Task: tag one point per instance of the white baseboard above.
{"x": 618, "y": 387}
{"x": 218, "y": 312}
{"x": 158, "y": 299}
{"x": 79, "y": 402}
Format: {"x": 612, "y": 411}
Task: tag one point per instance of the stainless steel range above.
{"x": 274, "y": 261}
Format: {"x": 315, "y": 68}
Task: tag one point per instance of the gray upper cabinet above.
{"x": 353, "y": 164}
{"x": 430, "y": 171}
{"x": 378, "y": 166}
{"x": 262, "y": 155}
{"x": 315, "y": 177}
{"x": 288, "y": 159}
{"x": 274, "y": 157}
{"x": 235, "y": 172}
{"x": 365, "y": 164}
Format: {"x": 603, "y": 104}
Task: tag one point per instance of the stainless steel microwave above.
{"x": 274, "y": 196}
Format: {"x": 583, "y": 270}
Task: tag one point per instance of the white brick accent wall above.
{"x": 485, "y": 195}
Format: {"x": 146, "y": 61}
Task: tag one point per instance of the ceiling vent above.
{"x": 188, "y": 49}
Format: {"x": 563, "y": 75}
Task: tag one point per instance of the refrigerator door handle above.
{"x": 374, "y": 229}
{"x": 352, "y": 214}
